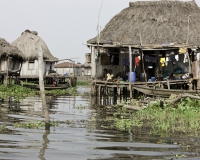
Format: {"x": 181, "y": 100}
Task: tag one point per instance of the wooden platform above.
{"x": 99, "y": 86}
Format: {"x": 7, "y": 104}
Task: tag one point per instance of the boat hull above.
{"x": 161, "y": 92}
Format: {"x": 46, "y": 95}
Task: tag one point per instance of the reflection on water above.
{"x": 108, "y": 100}
{"x": 80, "y": 139}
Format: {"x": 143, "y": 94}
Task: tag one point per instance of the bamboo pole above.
{"x": 130, "y": 71}
{"x": 41, "y": 84}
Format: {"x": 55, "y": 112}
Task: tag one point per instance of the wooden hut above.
{"x": 68, "y": 68}
{"x": 27, "y": 44}
{"x": 11, "y": 59}
{"x": 151, "y": 38}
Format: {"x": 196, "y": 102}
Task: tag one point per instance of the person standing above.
{"x": 55, "y": 81}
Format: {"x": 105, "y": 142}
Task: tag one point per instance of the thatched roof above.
{"x": 154, "y": 22}
{"x": 27, "y": 43}
{"x": 67, "y": 65}
{"x": 87, "y": 65}
{"x": 8, "y": 50}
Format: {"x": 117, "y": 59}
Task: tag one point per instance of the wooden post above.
{"x": 93, "y": 63}
{"x": 41, "y": 83}
{"x": 168, "y": 85}
{"x": 130, "y": 71}
{"x": 6, "y": 75}
{"x": 99, "y": 90}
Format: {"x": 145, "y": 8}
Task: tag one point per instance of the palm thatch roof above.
{"x": 154, "y": 22}
{"x": 6, "y": 49}
{"x": 27, "y": 43}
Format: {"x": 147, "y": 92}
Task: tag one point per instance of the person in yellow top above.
{"x": 109, "y": 75}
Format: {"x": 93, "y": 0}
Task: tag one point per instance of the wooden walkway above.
{"x": 104, "y": 87}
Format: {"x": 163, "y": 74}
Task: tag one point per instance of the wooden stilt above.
{"x": 168, "y": 85}
{"x": 41, "y": 84}
{"x": 99, "y": 89}
{"x": 118, "y": 91}
{"x": 130, "y": 72}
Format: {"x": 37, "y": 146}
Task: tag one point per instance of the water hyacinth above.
{"x": 169, "y": 119}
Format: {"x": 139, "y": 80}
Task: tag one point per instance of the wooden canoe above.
{"x": 162, "y": 92}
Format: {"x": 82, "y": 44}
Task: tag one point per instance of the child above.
{"x": 109, "y": 75}
{"x": 190, "y": 80}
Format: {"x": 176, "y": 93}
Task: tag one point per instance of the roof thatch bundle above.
{"x": 8, "y": 50}
{"x": 27, "y": 43}
{"x": 154, "y": 22}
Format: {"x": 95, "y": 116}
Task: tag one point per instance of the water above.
{"x": 76, "y": 138}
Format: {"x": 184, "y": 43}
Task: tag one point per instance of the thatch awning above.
{"x": 27, "y": 43}
{"x": 6, "y": 49}
{"x": 154, "y": 22}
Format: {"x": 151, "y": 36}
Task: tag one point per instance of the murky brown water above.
{"x": 78, "y": 139}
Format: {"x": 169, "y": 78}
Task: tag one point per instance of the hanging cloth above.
{"x": 186, "y": 56}
{"x": 112, "y": 59}
{"x": 182, "y": 50}
{"x": 177, "y": 57}
{"x": 198, "y": 56}
{"x": 172, "y": 58}
{"x": 162, "y": 61}
{"x": 137, "y": 61}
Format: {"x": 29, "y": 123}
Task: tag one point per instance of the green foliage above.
{"x": 15, "y": 91}
{"x": 72, "y": 91}
{"x": 3, "y": 129}
{"x": 83, "y": 83}
{"x": 56, "y": 92}
{"x": 35, "y": 124}
{"x": 124, "y": 120}
{"x": 183, "y": 118}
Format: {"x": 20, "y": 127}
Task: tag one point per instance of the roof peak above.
{"x": 32, "y": 32}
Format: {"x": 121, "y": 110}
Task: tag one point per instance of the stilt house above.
{"x": 27, "y": 44}
{"x": 153, "y": 38}
{"x": 11, "y": 59}
{"x": 68, "y": 68}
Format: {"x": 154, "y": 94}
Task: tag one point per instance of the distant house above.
{"x": 87, "y": 69}
{"x": 68, "y": 68}
{"x": 87, "y": 65}
{"x": 27, "y": 44}
{"x": 11, "y": 60}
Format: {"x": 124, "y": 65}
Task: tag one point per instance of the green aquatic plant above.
{"x": 3, "y": 129}
{"x": 83, "y": 83}
{"x": 57, "y": 92}
{"x": 16, "y": 92}
{"x": 35, "y": 124}
{"x": 72, "y": 91}
{"x": 182, "y": 118}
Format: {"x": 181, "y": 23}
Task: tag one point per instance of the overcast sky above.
{"x": 63, "y": 24}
